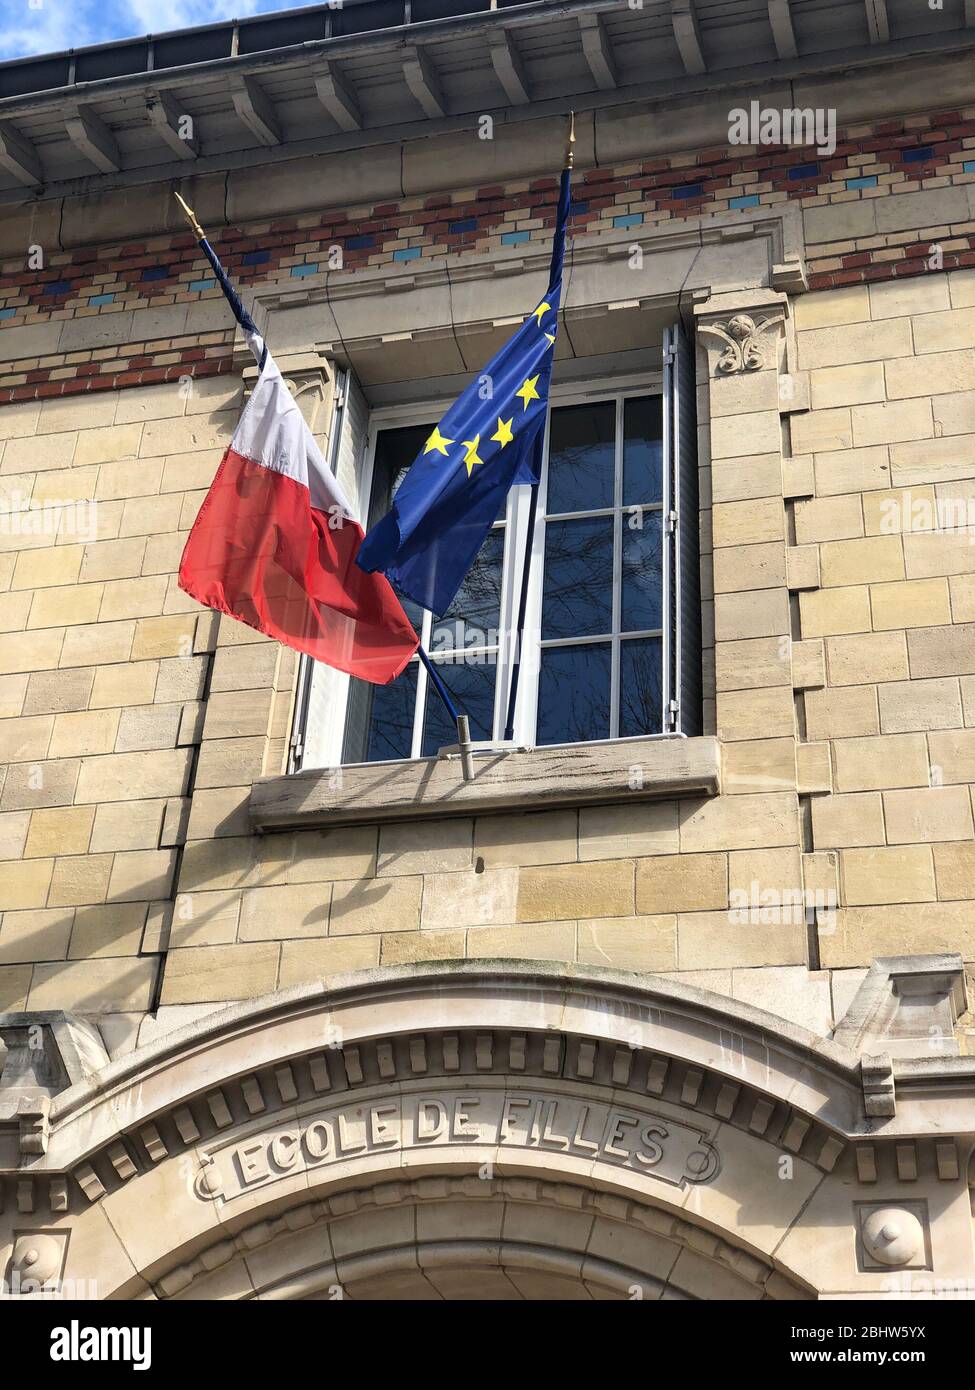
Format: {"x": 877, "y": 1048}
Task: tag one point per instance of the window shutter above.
{"x": 316, "y": 739}
{"x": 682, "y": 582}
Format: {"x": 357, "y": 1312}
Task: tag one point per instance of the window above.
{"x": 612, "y": 633}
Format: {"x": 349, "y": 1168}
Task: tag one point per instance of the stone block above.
{"x": 864, "y": 933}
{"x": 832, "y": 308}
{"x": 97, "y": 644}
{"x": 933, "y": 374}
{"x": 952, "y": 755}
{"x": 595, "y": 889}
{"x": 831, "y": 387}
{"x": 80, "y": 879}
{"x": 847, "y": 712}
{"x": 852, "y": 470}
{"x": 951, "y": 459}
{"x": 343, "y": 853}
{"x": 714, "y": 941}
{"x": 65, "y": 605}
{"x": 924, "y": 294}
{"x": 753, "y": 714}
{"x": 814, "y": 773}
{"x": 895, "y": 874}
{"x": 910, "y": 603}
{"x": 928, "y": 815}
{"x": 305, "y": 961}
{"x": 954, "y": 871}
{"x": 939, "y": 553}
{"x": 109, "y": 930}
{"x": 26, "y": 739}
{"x": 864, "y": 659}
{"x": 539, "y": 837}
{"x": 829, "y": 519}
{"x": 822, "y": 431}
{"x": 30, "y": 651}
{"x": 613, "y": 832}
{"x": 377, "y": 906}
{"x": 410, "y": 948}
{"x": 205, "y": 919}
{"x": 849, "y": 821}
{"x": 764, "y": 613}
{"x": 762, "y": 765}
{"x": 752, "y": 664}
{"x": 219, "y": 974}
{"x": 122, "y": 776}
{"x": 920, "y": 705}
{"x": 125, "y": 825}
{"x": 84, "y": 732}
{"x": 116, "y": 985}
{"x": 739, "y": 822}
{"x": 129, "y": 684}
{"x": 748, "y": 523}
{"x": 871, "y": 560}
{"x": 25, "y": 884}
{"x": 888, "y": 760}
{"x": 140, "y": 875}
{"x": 942, "y": 651}
{"x": 835, "y": 612}
{"x": 285, "y": 911}
{"x": 39, "y": 784}
{"x": 644, "y": 944}
{"x": 37, "y": 935}
{"x": 423, "y": 847}
{"x": 539, "y": 941}
{"x": 749, "y": 567}
{"x": 681, "y": 883}
{"x": 859, "y": 342}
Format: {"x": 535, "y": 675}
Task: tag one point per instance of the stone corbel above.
{"x": 742, "y": 332}
{"x": 309, "y": 376}
{"x": 33, "y": 1113}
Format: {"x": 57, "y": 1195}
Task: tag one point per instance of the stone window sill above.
{"x": 504, "y": 780}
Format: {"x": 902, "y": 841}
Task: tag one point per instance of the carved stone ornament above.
{"x": 892, "y": 1236}
{"x": 747, "y": 348}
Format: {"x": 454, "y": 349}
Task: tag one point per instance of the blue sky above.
{"x": 49, "y": 26}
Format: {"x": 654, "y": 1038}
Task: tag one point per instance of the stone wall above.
{"x": 840, "y": 661}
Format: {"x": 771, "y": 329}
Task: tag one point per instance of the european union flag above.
{"x": 489, "y": 439}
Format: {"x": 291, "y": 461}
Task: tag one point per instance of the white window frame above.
{"x": 326, "y": 743}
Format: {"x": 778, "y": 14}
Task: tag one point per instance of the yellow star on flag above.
{"x": 437, "y": 442}
{"x": 471, "y": 458}
{"x": 503, "y": 433}
{"x": 551, "y": 338}
{"x": 528, "y": 392}
{"x": 540, "y": 312}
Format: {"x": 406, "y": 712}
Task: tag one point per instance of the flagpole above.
{"x": 460, "y": 721}
{"x": 509, "y": 728}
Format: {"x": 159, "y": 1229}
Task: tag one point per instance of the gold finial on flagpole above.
{"x": 190, "y": 216}
{"x": 572, "y": 139}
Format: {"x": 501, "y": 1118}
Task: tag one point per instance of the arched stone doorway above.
{"x": 456, "y": 1238}
{"x": 508, "y": 1130}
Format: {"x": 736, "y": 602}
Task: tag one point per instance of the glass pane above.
{"x": 470, "y": 681}
{"x": 395, "y": 452}
{"x": 581, "y": 458}
{"x": 391, "y": 718}
{"x": 475, "y": 613}
{"x": 641, "y": 673}
{"x": 573, "y": 693}
{"x": 642, "y": 570}
{"x": 577, "y": 597}
{"x": 642, "y": 450}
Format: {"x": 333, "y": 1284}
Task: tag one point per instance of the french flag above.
{"x": 275, "y": 545}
